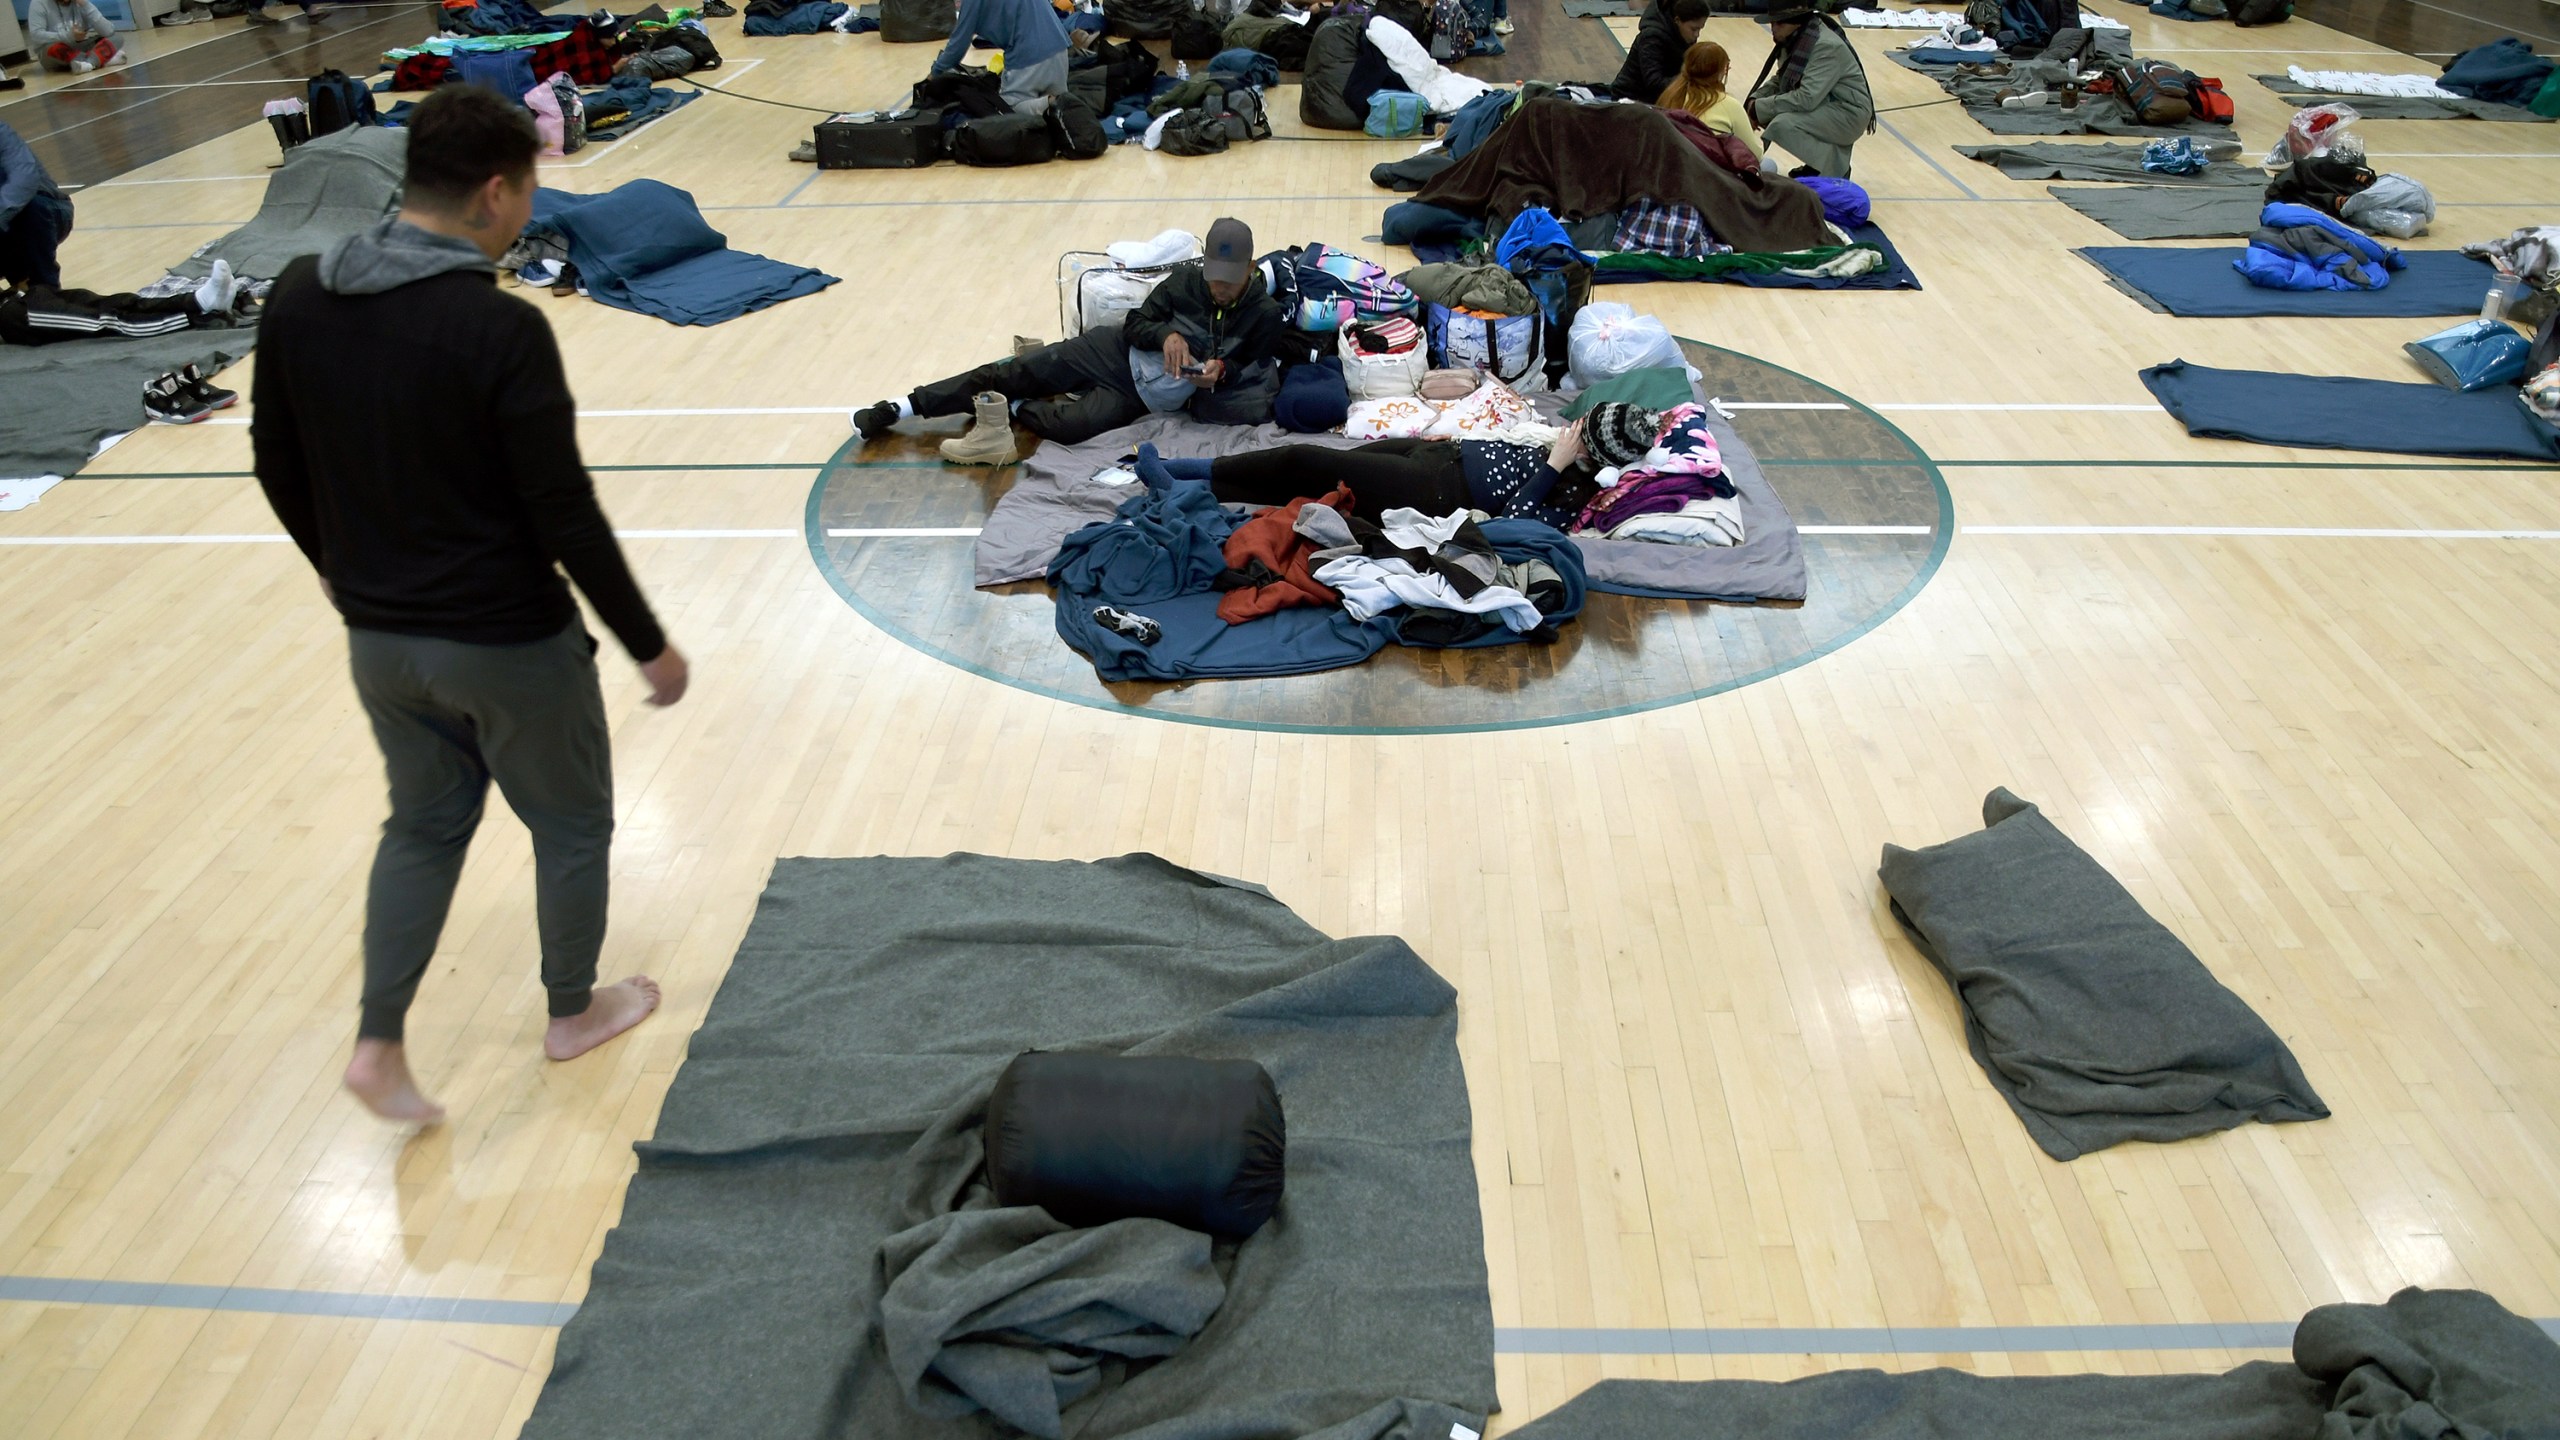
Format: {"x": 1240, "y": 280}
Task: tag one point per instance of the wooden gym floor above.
{"x": 1726, "y": 1126}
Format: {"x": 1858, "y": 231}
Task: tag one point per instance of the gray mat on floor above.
{"x": 2345, "y": 412}
{"x": 2398, "y": 107}
{"x": 1601, "y": 9}
{"x": 828, "y": 1103}
{"x": 2157, "y": 212}
{"x": 329, "y": 188}
{"x": 2096, "y": 114}
{"x": 63, "y": 399}
{"x": 2039, "y": 160}
{"x": 2091, "y": 1019}
{"x": 2433, "y": 1363}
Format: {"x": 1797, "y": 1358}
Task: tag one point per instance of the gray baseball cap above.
{"x": 1230, "y": 254}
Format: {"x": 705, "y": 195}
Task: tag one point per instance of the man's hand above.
{"x": 666, "y": 676}
{"x": 1177, "y": 353}
{"x": 1210, "y": 374}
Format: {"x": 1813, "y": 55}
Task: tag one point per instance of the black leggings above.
{"x": 1424, "y": 475}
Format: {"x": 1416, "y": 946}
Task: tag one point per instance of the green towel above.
{"x": 1656, "y": 389}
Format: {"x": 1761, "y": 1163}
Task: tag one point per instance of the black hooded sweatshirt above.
{"x": 1653, "y": 61}
{"x": 1243, "y": 334}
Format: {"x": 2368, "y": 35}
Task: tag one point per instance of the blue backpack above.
{"x": 1396, "y": 114}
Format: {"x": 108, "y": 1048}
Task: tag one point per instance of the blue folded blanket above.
{"x": 644, "y": 246}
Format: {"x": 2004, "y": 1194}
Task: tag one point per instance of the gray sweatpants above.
{"x": 450, "y": 717}
{"x": 1028, "y": 91}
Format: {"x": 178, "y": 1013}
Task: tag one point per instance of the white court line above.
{"x": 2301, "y": 532}
{"x": 282, "y": 539}
{"x": 1956, "y": 406}
{"x": 953, "y": 532}
{"x": 1865, "y": 530}
{"x": 1781, "y": 405}
{"x": 1975, "y": 405}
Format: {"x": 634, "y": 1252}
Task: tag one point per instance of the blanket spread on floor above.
{"x": 809, "y": 1249}
{"x": 2159, "y": 212}
{"x": 2340, "y": 412}
{"x": 328, "y": 189}
{"x": 643, "y": 246}
{"x": 63, "y": 399}
{"x": 2439, "y": 1364}
{"x": 2200, "y": 282}
{"x": 2091, "y": 1019}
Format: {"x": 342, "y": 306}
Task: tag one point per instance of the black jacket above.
{"x": 436, "y": 484}
{"x": 1653, "y": 61}
{"x": 1243, "y": 334}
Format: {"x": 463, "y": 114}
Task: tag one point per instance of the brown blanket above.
{"x": 1583, "y": 160}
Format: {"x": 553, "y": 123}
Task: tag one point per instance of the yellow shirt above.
{"x": 1727, "y": 117}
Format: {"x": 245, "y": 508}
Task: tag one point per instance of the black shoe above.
{"x": 167, "y": 401}
{"x": 261, "y": 17}
{"x": 873, "y": 421}
{"x": 718, "y": 9}
{"x": 210, "y": 395}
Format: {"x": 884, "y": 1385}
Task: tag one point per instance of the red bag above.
{"x": 2211, "y": 102}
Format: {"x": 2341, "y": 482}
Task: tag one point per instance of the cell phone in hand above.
{"x": 1193, "y": 370}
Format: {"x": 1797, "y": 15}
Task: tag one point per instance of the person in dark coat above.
{"x": 1812, "y": 99}
{"x": 1663, "y": 38}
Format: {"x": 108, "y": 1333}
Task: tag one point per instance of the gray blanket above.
{"x": 778, "y": 1272}
{"x": 2158, "y": 212}
{"x": 63, "y": 399}
{"x": 2403, "y": 107}
{"x": 328, "y": 189}
{"x": 2042, "y": 161}
{"x": 2094, "y": 1021}
{"x": 2096, "y": 114}
{"x": 2429, "y": 1365}
{"x": 1601, "y": 9}
{"x": 1054, "y": 496}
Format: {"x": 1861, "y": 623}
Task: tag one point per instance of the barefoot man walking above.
{"x": 414, "y": 431}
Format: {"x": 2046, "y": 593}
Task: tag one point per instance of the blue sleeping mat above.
{"x": 2185, "y": 280}
{"x": 644, "y": 246}
{"x": 2336, "y": 412}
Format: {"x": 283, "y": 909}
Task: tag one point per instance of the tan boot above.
{"x": 990, "y": 440}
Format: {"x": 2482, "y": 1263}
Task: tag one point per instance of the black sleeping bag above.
{"x": 1327, "y": 78}
{"x": 1097, "y": 1138}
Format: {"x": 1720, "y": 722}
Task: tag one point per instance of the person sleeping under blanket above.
{"x": 1812, "y": 99}
{"x": 42, "y": 314}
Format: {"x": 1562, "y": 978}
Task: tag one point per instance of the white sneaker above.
{"x": 83, "y": 67}
{"x": 1503, "y": 26}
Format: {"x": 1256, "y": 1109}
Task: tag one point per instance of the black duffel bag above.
{"x": 1097, "y": 1138}
{"x": 1076, "y": 129}
{"x": 999, "y": 140}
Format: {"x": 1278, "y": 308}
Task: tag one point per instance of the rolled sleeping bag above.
{"x": 1097, "y": 1138}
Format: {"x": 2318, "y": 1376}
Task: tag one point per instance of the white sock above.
{"x": 906, "y": 408}
{"x": 213, "y": 297}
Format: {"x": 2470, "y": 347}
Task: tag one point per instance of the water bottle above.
{"x": 1181, "y": 69}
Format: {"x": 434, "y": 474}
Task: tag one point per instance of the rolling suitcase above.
{"x": 872, "y": 141}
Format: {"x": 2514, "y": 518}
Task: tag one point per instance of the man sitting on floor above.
{"x": 1812, "y": 99}
{"x": 1034, "y": 42}
{"x": 1663, "y": 38}
{"x": 1204, "y": 341}
{"x": 35, "y": 216}
{"x": 71, "y": 35}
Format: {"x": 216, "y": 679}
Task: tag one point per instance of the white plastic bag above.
{"x": 1166, "y": 248}
{"x": 1382, "y": 377}
{"x": 1610, "y": 339}
{"x": 2392, "y": 205}
{"x": 2315, "y": 130}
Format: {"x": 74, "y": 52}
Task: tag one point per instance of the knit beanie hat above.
{"x": 1618, "y": 434}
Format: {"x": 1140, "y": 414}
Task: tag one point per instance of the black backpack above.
{"x": 1076, "y": 129}
{"x": 1197, "y": 37}
{"x": 972, "y": 92}
{"x": 999, "y": 140}
{"x": 1128, "y": 68}
{"x": 1246, "y": 119}
{"x": 336, "y": 101}
{"x": 1201, "y": 131}
{"x": 1145, "y": 19}
{"x": 2261, "y": 12}
{"x": 1323, "y": 91}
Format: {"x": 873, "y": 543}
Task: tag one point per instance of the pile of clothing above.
{"x": 2505, "y": 72}
{"x": 770, "y": 18}
{"x": 2299, "y": 248}
{"x": 1676, "y": 495}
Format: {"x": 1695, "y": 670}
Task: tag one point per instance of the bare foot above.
{"x": 379, "y": 1076}
{"x": 615, "y": 1008}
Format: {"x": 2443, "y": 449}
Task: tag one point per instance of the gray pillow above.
{"x": 2094, "y": 1022}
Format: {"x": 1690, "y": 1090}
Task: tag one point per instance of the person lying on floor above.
{"x": 40, "y": 314}
{"x": 35, "y": 216}
{"x": 1436, "y": 477}
{"x": 1812, "y": 99}
{"x": 1034, "y": 42}
{"x": 1699, "y": 91}
{"x": 1663, "y": 36}
{"x": 1202, "y": 342}
{"x": 71, "y": 35}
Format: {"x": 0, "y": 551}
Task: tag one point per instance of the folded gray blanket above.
{"x": 2094, "y": 1022}
{"x": 2429, "y": 1365}
{"x": 2044, "y": 160}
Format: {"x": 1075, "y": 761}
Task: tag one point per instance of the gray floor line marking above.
{"x": 1508, "y": 1339}
{"x": 1930, "y": 160}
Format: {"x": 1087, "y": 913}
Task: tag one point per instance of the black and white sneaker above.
{"x": 213, "y": 396}
{"x": 1136, "y": 627}
{"x": 168, "y": 401}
